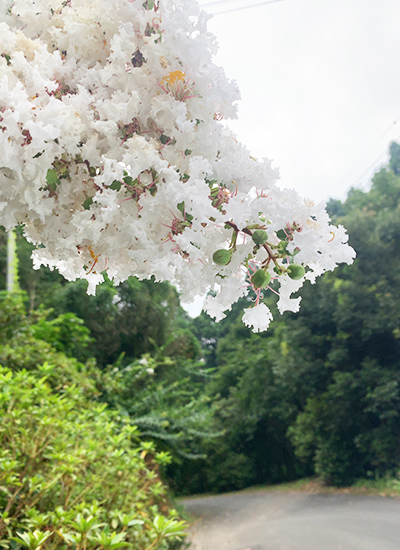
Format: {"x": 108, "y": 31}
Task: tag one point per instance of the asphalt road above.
{"x": 264, "y": 520}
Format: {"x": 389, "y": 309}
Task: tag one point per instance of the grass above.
{"x": 379, "y": 487}
{"x": 372, "y": 487}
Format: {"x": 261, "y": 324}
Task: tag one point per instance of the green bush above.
{"x": 66, "y": 333}
{"x": 165, "y": 399}
{"x": 12, "y": 315}
{"x": 73, "y": 475}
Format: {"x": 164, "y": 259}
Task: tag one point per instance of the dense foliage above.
{"x": 73, "y": 472}
{"x": 319, "y": 394}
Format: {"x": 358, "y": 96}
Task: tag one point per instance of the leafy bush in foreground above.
{"x": 163, "y": 395}
{"x": 72, "y": 475}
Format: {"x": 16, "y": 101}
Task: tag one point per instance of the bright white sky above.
{"x": 320, "y": 85}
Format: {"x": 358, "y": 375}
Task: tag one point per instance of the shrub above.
{"x": 74, "y": 475}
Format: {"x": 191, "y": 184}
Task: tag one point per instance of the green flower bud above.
{"x": 282, "y": 247}
{"x": 222, "y": 257}
{"x": 260, "y": 279}
{"x": 260, "y": 236}
{"x": 295, "y": 271}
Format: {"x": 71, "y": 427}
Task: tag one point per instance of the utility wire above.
{"x": 377, "y": 161}
{"x": 238, "y": 8}
{"x": 357, "y": 182}
{"x": 371, "y": 166}
{"x": 210, "y": 4}
{"x": 216, "y": 3}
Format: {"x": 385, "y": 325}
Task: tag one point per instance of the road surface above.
{"x": 266, "y": 520}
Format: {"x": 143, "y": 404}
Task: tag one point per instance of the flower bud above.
{"x": 222, "y": 257}
{"x": 295, "y": 271}
{"x": 260, "y": 236}
{"x": 282, "y": 245}
{"x": 260, "y": 279}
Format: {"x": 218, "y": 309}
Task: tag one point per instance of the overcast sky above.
{"x": 320, "y": 85}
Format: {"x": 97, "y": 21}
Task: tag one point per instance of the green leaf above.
{"x": 52, "y": 179}
{"x": 128, "y": 180}
{"x": 34, "y": 540}
{"x": 116, "y": 185}
{"x": 135, "y": 522}
{"x": 7, "y": 58}
{"x": 181, "y": 208}
{"x": 282, "y": 234}
{"x": 87, "y": 203}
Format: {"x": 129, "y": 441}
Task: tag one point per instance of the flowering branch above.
{"x": 104, "y": 137}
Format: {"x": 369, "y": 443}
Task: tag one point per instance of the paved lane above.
{"x": 264, "y": 520}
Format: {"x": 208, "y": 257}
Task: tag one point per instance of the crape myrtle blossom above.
{"x": 114, "y": 159}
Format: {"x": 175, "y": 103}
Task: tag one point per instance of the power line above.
{"x": 238, "y": 8}
{"x": 357, "y": 182}
{"x": 210, "y": 4}
{"x": 217, "y": 4}
{"x": 371, "y": 166}
{"x": 248, "y": 7}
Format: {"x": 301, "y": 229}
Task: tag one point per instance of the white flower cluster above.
{"x": 114, "y": 159}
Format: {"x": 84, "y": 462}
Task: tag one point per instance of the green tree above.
{"x": 350, "y": 426}
{"x": 324, "y": 382}
{"x": 134, "y": 318}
